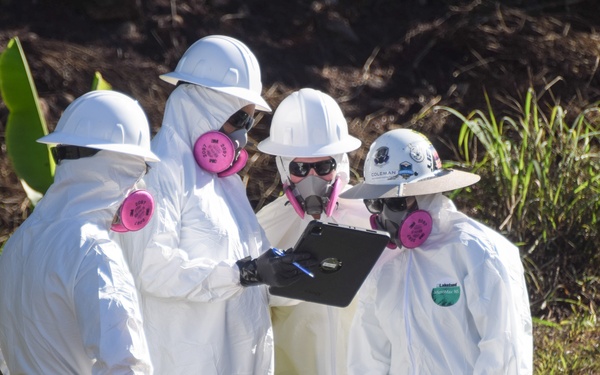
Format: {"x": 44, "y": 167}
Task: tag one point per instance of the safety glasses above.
{"x": 302, "y": 169}
{"x": 62, "y": 152}
{"x": 241, "y": 120}
{"x": 375, "y": 206}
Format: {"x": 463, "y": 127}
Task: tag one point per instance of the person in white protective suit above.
{"x": 68, "y": 303}
{"x": 201, "y": 263}
{"x": 451, "y": 298}
{"x": 309, "y": 137}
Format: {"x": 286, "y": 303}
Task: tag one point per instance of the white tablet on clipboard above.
{"x": 345, "y": 254}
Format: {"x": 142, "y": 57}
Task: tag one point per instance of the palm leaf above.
{"x": 31, "y": 161}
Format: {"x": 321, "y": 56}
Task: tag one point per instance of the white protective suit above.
{"x": 197, "y": 316}
{"x": 433, "y": 309}
{"x": 310, "y": 338}
{"x": 68, "y": 304}
{"x": 3, "y": 367}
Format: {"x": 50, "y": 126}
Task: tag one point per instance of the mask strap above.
{"x": 289, "y": 193}
{"x": 333, "y": 197}
{"x": 374, "y": 220}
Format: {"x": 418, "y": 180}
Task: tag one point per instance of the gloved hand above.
{"x": 272, "y": 269}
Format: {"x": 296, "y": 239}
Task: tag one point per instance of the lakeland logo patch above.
{"x": 445, "y": 293}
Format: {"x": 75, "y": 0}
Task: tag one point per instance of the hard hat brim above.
{"x": 57, "y": 138}
{"x": 444, "y": 180}
{"x": 347, "y": 145}
{"x": 242, "y": 93}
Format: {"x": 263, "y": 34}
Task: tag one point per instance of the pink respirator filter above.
{"x": 135, "y": 212}
{"x": 215, "y": 152}
{"x": 289, "y": 193}
{"x": 237, "y": 165}
{"x": 333, "y": 197}
{"x": 415, "y": 229}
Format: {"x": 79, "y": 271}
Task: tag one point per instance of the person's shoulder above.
{"x": 168, "y": 174}
{"x": 479, "y": 237}
{"x": 89, "y": 232}
{"x": 96, "y": 240}
{"x": 490, "y": 233}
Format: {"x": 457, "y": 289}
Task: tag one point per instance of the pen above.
{"x": 280, "y": 253}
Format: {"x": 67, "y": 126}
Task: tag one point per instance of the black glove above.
{"x": 272, "y": 269}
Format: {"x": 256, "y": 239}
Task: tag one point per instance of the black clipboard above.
{"x": 346, "y": 255}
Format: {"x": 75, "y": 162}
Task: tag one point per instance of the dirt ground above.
{"x": 386, "y": 62}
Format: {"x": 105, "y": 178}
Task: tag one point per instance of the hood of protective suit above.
{"x": 97, "y": 183}
{"x": 193, "y": 110}
{"x": 442, "y": 211}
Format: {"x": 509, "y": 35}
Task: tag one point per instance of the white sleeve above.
{"x": 3, "y": 367}
{"x": 108, "y": 313}
{"x": 162, "y": 268}
{"x": 369, "y": 349}
{"x": 166, "y": 271}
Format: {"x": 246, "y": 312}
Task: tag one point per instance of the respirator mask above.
{"x": 222, "y": 153}
{"x": 136, "y": 210}
{"x": 407, "y": 225}
{"x": 313, "y": 195}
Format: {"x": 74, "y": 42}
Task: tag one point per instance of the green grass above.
{"x": 540, "y": 187}
{"x": 569, "y": 347}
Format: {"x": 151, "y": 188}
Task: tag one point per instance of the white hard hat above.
{"x": 308, "y": 123}
{"x": 104, "y": 120}
{"x": 403, "y": 163}
{"x": 223, "y": 64}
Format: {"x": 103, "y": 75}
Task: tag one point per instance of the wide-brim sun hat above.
{"x": 441, "y": 181}
{"x": 223, "y": 64}
{"x": 403, "y": 163}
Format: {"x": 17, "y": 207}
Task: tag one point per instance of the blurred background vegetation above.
{"x": 508, "y": 89}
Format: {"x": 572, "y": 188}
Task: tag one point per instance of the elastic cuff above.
{"x": 248, "y": 272}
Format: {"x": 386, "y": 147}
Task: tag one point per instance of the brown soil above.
{"x": 387, "y": 62}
